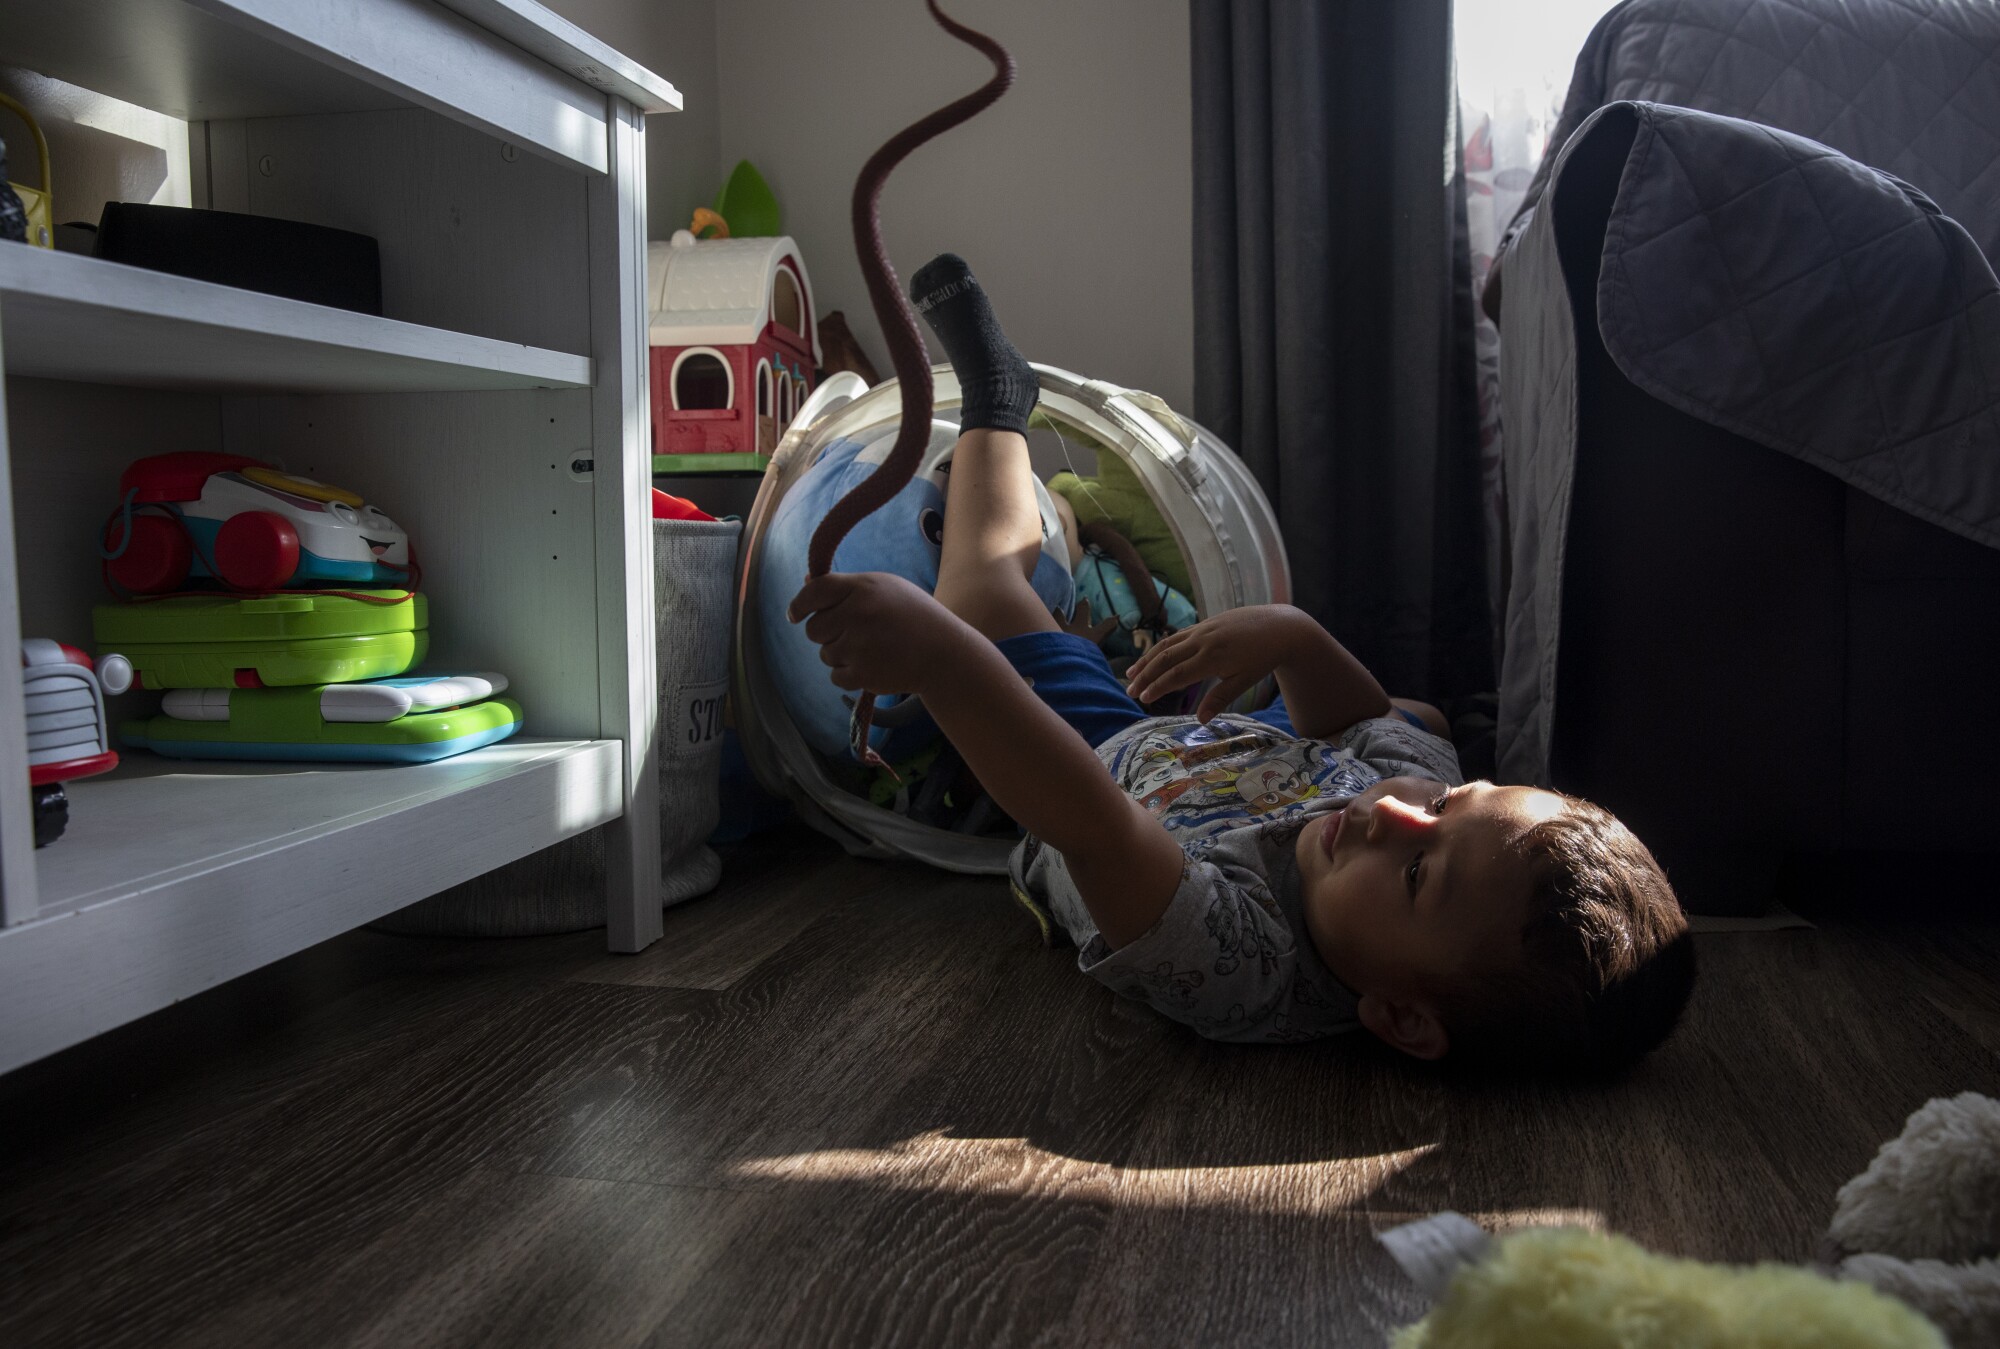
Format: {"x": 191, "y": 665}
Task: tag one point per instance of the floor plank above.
{"x": 848, "y": 1102}
{"x": 497, "y": 1259}
{"x": 775, "y": 890}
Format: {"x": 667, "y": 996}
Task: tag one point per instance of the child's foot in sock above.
{"x": 997, "y": 385}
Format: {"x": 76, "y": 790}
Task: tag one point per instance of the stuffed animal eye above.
{"x": 932, "y": 524}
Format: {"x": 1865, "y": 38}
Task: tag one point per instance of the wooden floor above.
{"x": 857, "y": 1103}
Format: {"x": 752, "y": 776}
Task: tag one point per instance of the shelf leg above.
{"x": 18, "y": 898}
{"x": 620, "y": 413}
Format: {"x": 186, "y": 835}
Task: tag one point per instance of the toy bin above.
{"x": 1213, "y": 527}
{"x": 561, "y": 889}
{"x": 694, "y": 566}
{"x": 272, "y": 641}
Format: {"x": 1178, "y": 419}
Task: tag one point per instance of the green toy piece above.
{"x": 1564, "y": 1285}
{"x": 668, "y": 464}
{"x": 286, "y": 724}
{"x": 208, "y": 641}
{"x": 1116, "y": 497}
{"x": 748, "y": 204}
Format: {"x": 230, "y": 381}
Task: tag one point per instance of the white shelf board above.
{"x": 177, "y": 59}
{"x": 72, "y": 317}
{"x": 175, "y": 876}
{"x": 542, "y": 32}
{"x": 203, "y": 60}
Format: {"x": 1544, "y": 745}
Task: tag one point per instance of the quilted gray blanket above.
{"x": 1907, "y": 86}
{"x": 1766, "y": 284}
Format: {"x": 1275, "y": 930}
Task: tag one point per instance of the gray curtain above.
{"x": 1333, "y": 317}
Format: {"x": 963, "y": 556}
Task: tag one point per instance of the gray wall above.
{"x": 1072, "y": 198}
{"x": 102, "y": 149}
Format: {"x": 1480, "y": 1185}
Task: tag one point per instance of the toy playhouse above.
{"x": 734, "y": 349}
{"x": 1177, "y": 493}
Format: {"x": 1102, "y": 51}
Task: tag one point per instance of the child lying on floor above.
{"x": 1280, "y": 876}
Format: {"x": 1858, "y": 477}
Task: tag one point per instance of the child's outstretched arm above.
{"x": 883, "y": 634}
{"x": 1326, "y": 688}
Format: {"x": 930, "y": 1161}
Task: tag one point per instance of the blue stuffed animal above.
{"x": 902, "y": 538}
{"x": 1102, "y": 583}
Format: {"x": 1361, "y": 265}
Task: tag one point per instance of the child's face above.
{"x": 1410, "y": 887}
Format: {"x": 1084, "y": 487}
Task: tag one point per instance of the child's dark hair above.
{"x": 1606, "y": 960}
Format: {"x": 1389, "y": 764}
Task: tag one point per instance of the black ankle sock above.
{"x": 998, "y": 385}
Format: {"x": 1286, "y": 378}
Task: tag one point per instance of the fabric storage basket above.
{"x": 694, "y": 571}
{"x": 561, "y": 889}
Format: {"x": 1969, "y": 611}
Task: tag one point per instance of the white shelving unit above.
{"x": 104, "y": 323}
{"x": 497, "y": 410}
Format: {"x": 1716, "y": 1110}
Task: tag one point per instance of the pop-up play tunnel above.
{"x": 1182, "y": 496}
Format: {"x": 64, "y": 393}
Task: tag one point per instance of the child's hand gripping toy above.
{"x": 239, "y": 522}
{"x": 899, "y": 330}
{"x": 902, "y": 538}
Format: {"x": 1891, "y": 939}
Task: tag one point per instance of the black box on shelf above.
{"x": 254, "y": 252}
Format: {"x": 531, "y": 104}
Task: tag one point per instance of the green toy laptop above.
{"x": 411, "y": 720}
{"x": 273, "y": 641}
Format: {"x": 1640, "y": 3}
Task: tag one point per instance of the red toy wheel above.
{"x": 156, "y": 557}
{"x": 256, "y": 551}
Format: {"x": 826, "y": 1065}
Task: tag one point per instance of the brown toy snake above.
{"x": 899, "y": 329}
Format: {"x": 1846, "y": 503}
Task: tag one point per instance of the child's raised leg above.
{"x": 992, "y": 537}
{"x": 992, "y": 524}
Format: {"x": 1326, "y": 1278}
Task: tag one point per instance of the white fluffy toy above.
{"x": 1922, "y": 1223}
{"x": 1920, "y": 1228}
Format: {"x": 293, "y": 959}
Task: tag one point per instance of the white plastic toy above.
{"x": 378, "y": 700}
{"x": 67, "y": 734}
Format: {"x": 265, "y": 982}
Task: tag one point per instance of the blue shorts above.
{"x": 1073, "y": 677}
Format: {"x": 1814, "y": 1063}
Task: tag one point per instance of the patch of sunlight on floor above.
{"x": 1518, "y": 1219}
{"x": 937, "y": 1161}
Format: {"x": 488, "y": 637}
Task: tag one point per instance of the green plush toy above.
{"x": 1582, "y": 1290}
{"x": 1116, "y": 498}
{"x": 1918, "y": 1234}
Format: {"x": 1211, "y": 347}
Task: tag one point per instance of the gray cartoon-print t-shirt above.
{"x": 1230, "y": 956}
